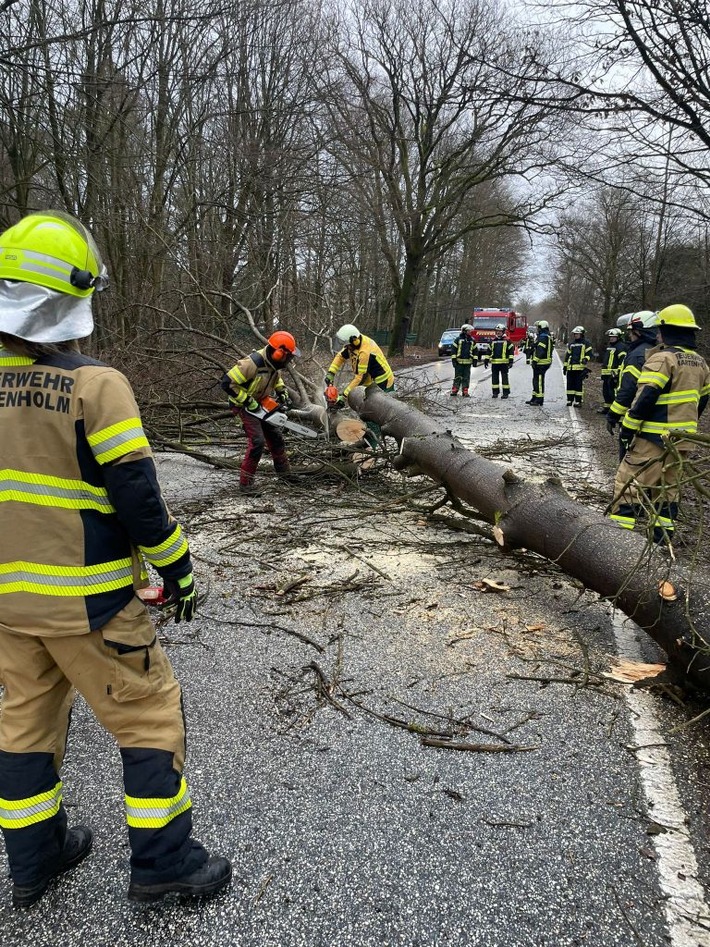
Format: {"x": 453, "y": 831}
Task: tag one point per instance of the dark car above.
{"x": 447, "y": 342}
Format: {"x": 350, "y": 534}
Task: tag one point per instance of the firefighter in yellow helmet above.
{"x": 672, "y": 393}
{"x": 80, "y": 511}
{"x": 369, "y": 367}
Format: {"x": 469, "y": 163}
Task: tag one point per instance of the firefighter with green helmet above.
{"x": 81, "y": 512}
{"x": 672, "y": 392}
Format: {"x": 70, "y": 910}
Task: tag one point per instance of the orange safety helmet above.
{"x": 284, "y": 347}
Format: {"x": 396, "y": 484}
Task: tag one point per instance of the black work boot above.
{"x": 77, "y": 846}
{"x": 250, "y": 489}
{"x": 505, "y": 394}
{"x": 207, "y": 880}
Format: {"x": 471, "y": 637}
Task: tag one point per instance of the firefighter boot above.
{"x": 464, "y": 393}
{"x": 454, "y": 392}
{"x": 210, "y": 878}
{"x": 77, "y": 845}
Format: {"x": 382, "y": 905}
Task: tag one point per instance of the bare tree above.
{"x": 423, "y": 118}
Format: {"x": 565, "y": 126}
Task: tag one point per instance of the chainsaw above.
{"x": 271, "y": 412}
{"x": 331, "y": 398}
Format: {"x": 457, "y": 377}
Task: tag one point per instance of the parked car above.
{"x": 447, "y": 342}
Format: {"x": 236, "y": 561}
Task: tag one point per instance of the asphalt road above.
{"x": 344, "y": 829}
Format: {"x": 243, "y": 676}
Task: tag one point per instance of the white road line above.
{"x": 685, "y": 906}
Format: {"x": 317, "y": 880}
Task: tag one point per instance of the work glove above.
{"x": 340, "y": 401}
{"x": 329, "y": 378}
{"x": 625, "y": 438}
{"x": 283, "y": 399}
{"x": 251, "y": 404}
{"x": 564, "y": 371}
{"x": 611, "y": 423}
{"x": 183, "y": 595}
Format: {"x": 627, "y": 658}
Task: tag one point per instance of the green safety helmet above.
{"x": 679, "y": 316}
{"x": 54, "y": 250}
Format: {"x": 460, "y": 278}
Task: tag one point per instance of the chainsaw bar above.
{"x": 278, "y": 419}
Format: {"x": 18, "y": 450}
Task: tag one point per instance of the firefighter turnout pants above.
{"x": 575, "y": 385}
{"x": 647, "y": 486}
{"x": 125, "y": 677}
{"x": 538, "y": 383}
{"x": 462, "y": 375}
{"x": 499, "y": 379}
{"x": 260, "y": 435}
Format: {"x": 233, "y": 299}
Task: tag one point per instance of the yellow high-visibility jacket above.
{"x": 80, "y": 505}
{"x": 252, "y": 377}
{"x": 368, "y": 364}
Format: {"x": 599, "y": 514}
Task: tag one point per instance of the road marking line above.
{"x": 685, "y": 906}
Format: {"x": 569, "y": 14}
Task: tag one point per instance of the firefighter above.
{"x": 641, "y": 337}
{"x": 463, "y": 358}
{"x": 502, "y": 353}
{"x": 672, "y": 393}
{"x": 576, "y": 366}
{"x": 369, "y": 367}
{"x": 80, "y": 511}
{"x": 611, "y": 367}
{"x": 253, "y": 378}
{"x": 541, "y": 359}
{"x": 529, "y": 344}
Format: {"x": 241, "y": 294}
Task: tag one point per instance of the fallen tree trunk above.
{"x": 541, "y": 516}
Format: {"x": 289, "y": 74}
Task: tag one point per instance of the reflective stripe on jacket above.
{"x": 502, "y": 352}
{"x": 673, "y": 389}
{"x": 613, "y": 360}
{"x": 368, "y": 365}
{"x": 634, "y": 359}
{"x": 253, "y": 377}
{"x": 80, "y": 505}
{"x": 578, "y": 355}
{"x": 465, "y": 352}
{"x": 542, "y": 353}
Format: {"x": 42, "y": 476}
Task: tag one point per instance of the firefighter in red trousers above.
{"x": 252, "y": 379}
{"x": 80, "y": 511}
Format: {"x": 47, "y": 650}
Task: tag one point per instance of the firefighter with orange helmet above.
{"x": 80, "y": 513}
{"x": 250, "y": 381}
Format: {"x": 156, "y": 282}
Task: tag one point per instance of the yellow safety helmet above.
{"x": 677, "y": 315}
{"x": 54, "y": 250}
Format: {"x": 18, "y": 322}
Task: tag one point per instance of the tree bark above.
{"x": 542, "y": 517}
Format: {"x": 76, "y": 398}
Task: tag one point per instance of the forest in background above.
{"x": 292, "y": 164}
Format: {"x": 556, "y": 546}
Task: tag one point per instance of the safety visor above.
{"x": 100, "y": 279}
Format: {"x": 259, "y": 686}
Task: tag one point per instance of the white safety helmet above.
{"x": 613, "y": 333}
{"x": 542, "y": 324}
{"x": 466, "y": 327}
{"x": 347, "y": 333}
{"x": 645, "y": 319}
{"x": 500, "y": 327}
{"x": 578, "y": 330}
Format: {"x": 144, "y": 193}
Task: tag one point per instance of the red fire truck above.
{"x": 484, "y": 323}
